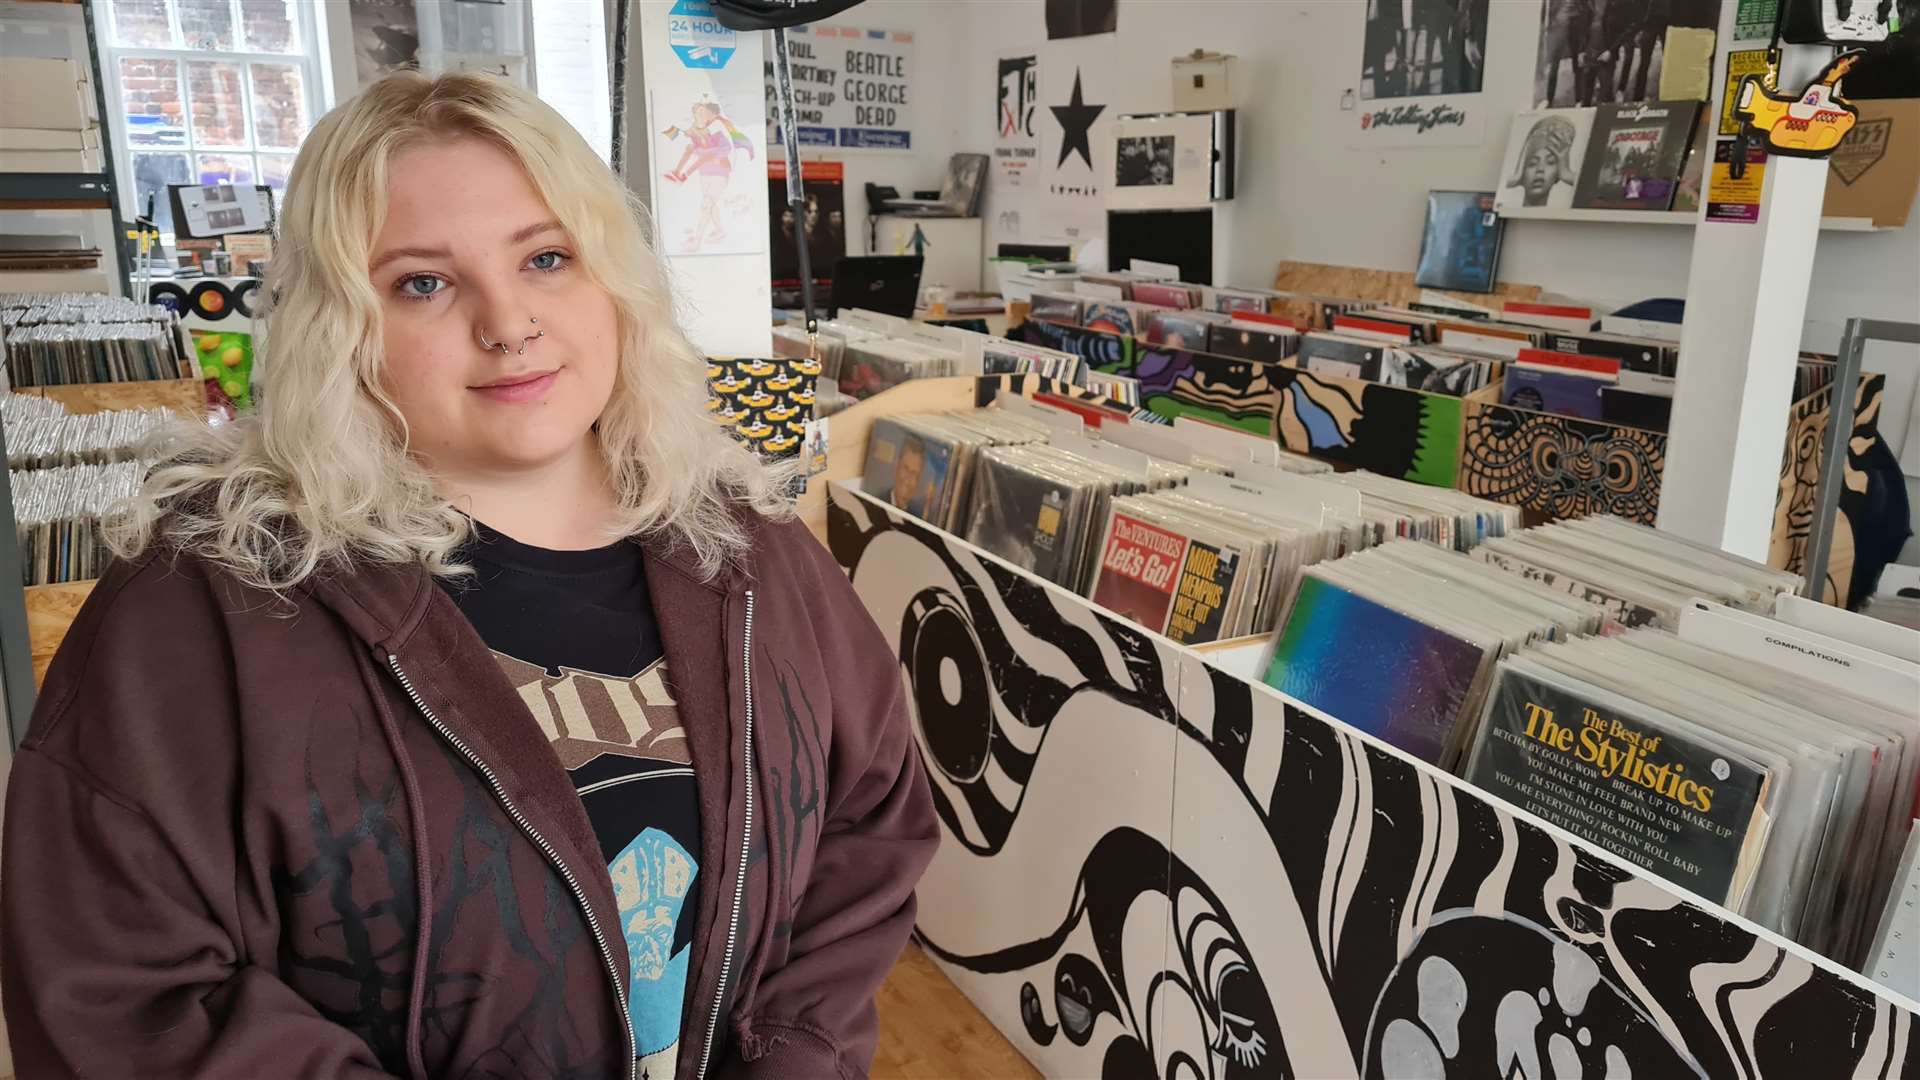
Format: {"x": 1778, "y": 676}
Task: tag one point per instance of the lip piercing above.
{"x": 535, "y": 336}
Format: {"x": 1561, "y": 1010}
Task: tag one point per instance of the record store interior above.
{"x": 1266, "y": 538}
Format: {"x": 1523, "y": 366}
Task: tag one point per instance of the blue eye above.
{"x": 547, "y": 260}
{"x": 420, "y": 286}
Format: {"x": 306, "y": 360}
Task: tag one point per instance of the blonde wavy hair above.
{"x": 319, "y": 475}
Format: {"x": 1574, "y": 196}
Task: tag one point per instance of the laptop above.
{"x": 889, "y": 284}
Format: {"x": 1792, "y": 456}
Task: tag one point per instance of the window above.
{"x": 209, "y": 92}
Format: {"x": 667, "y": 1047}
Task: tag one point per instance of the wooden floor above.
{"x": 929, "y": 1031}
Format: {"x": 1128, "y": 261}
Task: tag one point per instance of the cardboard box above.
{"x": 42, "y": 93}
{"x": 1875, "y": 171}
{"x": 49, "y": 161}
{"x": 1202, "y": 82}
{"x": 48, "y": 139}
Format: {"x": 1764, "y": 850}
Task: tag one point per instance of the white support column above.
{"x": 1746, "y": 301}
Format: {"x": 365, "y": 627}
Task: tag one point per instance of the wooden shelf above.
{"x": 185, "y": 396}
{"x": 1661, "y": 217}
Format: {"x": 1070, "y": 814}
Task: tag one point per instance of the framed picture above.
{"x": 1162, "y": 162}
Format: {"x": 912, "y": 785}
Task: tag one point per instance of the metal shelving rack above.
{"x": 1833, "y": 462}
{"x": 76, "y": 191}
{"x": 91, "y": 192}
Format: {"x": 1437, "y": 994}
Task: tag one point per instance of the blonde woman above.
{"x": 475, "y": 709}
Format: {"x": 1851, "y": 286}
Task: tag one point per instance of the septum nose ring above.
{"x": 502, "y": 346}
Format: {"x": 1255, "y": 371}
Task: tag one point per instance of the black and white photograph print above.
{"x": 386, "y": 37}
{"x": 1420, "y": 48}
{"x": 1143, "y": 161}
{"x": 1542, "y": 163}
{"x": 1600, "y": 52}
{"x": 1080, "y": 18}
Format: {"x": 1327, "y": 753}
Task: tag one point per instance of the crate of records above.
{"x": 66, "y": 471}
{"x": 1197, "y": 541}
{"x": 1677, "y": 706}
{"x": 64, "y": 338}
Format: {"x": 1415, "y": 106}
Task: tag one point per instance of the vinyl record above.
{"x": 951, "y": 694}
{"x": 244, "y": 295}
{"x": 210, "y": 300}
{"x": 169, "y": 296}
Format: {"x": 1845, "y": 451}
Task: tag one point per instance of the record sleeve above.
{"x": 1627, "y": 777}
{"x": 1636, "y": 155}
{"x": 1366, "y": 664}
{"x": 1140, "y": 570}
{"x": 1460, "y": 246}
{"x": 1251, "y": 343}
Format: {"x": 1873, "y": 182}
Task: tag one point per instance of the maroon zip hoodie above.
{"x": 320, "y": 836}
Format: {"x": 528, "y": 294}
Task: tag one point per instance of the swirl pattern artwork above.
{"x": 1799, "y": 495}
{"x": 1236, "y": 393}
{"x": 1156, "y": 869}
{"x": 1561, "y": 466}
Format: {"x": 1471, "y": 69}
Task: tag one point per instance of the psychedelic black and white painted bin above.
{"x": 1154, "y": 868}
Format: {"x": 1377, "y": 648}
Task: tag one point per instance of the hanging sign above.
{"x": 852, "y": 88}
{"x": 1736, "y": 200}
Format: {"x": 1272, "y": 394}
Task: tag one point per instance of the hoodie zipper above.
{"x": 547, "y": 849}
{"x": 746, "y": 847}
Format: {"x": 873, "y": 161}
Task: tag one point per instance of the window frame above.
{"x": 309, "y": 58}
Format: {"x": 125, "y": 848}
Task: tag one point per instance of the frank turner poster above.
{"x": 1599, "y": 52}
{"x": 1016, "y": 120}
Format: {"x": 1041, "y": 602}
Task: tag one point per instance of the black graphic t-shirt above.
{"x": 575, "y": 633}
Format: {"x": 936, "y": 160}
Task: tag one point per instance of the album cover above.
{"x": 1565, "y": 393}
{"x": 1634, "y": 354}
{"x": 1382, "y": 671}
{"x": 1113, "y": 317}
{"x": 1623, "y": 775}
{"x": 1179, "y": 330}
{"x": 1330, "y": 354}
{"x": 1023, "y": 517}
{"x": 1139, "y": 571}
{"x": 1165, "y": 294}
{"x": 906, "y": 468}
{"x": 1432, "y": 371}
{"x": 1460, "y": 248}
{"x": 1636, "y": 408}
{"x": 1056, "y": 307}
{"x": 1542, "y": 163}
{"x": 1636, "y": 155}
{"x": 1205, "y": 593}
{"x": 1251, "y": 343}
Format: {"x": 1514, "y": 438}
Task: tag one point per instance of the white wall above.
{"x": 1304, "y": 194}
{"x": 942, "y": 74}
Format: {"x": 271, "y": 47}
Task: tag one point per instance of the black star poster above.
{"x": 1077, "y": 162}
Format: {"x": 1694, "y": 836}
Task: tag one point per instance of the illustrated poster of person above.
{"x": 702, "y": 210}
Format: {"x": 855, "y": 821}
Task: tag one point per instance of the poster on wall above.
{"x": 823, "y": 215}
{"x": 1072, "y": 199}
{"x": 700, "y": 135}
{"x": 386, "y": 37}
{"x": 1422, "y": 67}
{"x": 852, "y": 88}
{"x": 1421, "y": 49}
{"x": 1016, "y": 120}
{"x": 1080, "y": 18}
{"x": 1599, "y": 52}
